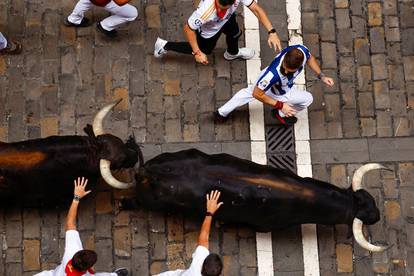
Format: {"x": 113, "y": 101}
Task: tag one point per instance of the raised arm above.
{"x": 78, "y": 193}
{"x": 313, "y": 64}
{"x": 273, "y": 39}
{"x": 212, "y": 207}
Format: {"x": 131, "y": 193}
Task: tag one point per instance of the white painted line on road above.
{"x": 303, "y": 156}
{"x": 257, "y": 135}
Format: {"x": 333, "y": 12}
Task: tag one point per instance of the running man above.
{"x": 208, "y": 22}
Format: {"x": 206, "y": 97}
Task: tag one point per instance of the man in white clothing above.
{"x": 76, "y": 261}
{"x": 204, "y": 263}
{"x": 121, "y": 11}
{"x": 208, "y": 22}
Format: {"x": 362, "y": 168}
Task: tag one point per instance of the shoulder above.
{"x": 247, "y": 2}
{"x": 201, "y": 14}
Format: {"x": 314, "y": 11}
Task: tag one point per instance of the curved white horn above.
{"x": 360, "y": 239}
{"x": 359, "y": 173}
{"x": 97, "y": 121}
{"x": 105, "y": 167}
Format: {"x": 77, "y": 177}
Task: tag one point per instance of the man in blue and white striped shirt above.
{"x": 275, "y": 86}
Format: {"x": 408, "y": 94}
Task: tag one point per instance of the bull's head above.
{"x": 130, "y": 154}
{"x": 367, "y": 212}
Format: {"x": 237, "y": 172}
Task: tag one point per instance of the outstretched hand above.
{"x": 80, "y": 185}
{"x": 328, "y": 81}
{"x": 212, "y": 204}
{"x": 274, "y": 42}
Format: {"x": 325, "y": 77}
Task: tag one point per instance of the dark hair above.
{"x": 84, "y": 259}
{"x": 226, "y": 2}
{"x": 294, "y": 58}
{"x": 212, "y": 265}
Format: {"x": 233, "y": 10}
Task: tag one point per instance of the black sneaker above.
{"x": 13, "y": 48}
{"x": 219, "y": 119}
{"x": 84, "y": 23}
{"x": 122, "y": 271}
{"x": 110, "y": 34}
{"x": 286, "y": 121}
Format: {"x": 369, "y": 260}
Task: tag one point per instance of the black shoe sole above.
{"x": 111, "y": 34}
{"x": 85, "y": 23}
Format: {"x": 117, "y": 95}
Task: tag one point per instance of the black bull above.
{"x": 257, "y": 195}
{"x": 42, "y": 171}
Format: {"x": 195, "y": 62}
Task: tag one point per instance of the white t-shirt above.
{"x": 73, "y": 244}
{"x": 206, "y": 20}
{"x": 199, "y": 255}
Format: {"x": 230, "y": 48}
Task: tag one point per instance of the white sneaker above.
{"x": 159, "y": 50}
{"x": 244, "y": 53}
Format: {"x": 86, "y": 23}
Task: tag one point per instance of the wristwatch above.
{"x": 76, "y": 198}
{"x": 272, "y": 31}
{"x": 208, "y": 214}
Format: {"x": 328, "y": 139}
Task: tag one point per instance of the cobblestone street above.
{"x": 65, "y": 75}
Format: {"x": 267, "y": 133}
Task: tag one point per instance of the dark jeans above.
{"x": 230, "y": 29}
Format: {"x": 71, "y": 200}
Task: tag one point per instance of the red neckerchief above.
{"x": 70, "y": 271}
{"x": 220, "y": 13}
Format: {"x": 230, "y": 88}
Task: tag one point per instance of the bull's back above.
{"x": 252, "y": 193}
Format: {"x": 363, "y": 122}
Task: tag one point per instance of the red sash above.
{"x": 220, "y": 13}
{"x": 70, "y": 271}
{"x": 100, "y": 3}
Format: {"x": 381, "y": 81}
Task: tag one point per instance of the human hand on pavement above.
{"x": 200, "y": 57}
{"x": 212, "y": 204}
{"x": 274, "y": 42}
{"x": 80, "y": 185}
{"x": 328, "y": 81}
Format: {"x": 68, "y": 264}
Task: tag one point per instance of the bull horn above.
{"x": 105, "y": 167}
{"x": 97, "y": 122}
{"x": 357, "y": 179}
{"x": 360, "y": 239}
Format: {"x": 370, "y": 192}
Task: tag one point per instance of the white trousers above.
{"x": 3, "y": 41}
{"x": 120, "y": 14}
{"x": 298, "y": 99}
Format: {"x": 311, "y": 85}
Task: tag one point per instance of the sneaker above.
{"x": 244, "y": 53}
{"x": 84, "y": 23}
{"x": 219, "y": 119}
{"x": 121, "y": 271}
{"x": 287, "y": 121}
{"x": 159, "y": 50}
{"x": 110, "y": 34}
{"x": 13, "y": 48}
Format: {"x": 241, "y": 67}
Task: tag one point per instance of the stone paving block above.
{"x": 230, "y": 265}
{"x": 158, "y": 267}
{"x": 401, "y": 126}
{"x": 342, "y": 19}
{"x": 406, "y": 14}
{"x": 13, "y": 255}
{"x": 325, "y": 8}
{"x": 407, "y": 36}
{"x": 49, "y": 249}
{"x": 364, "y": 78}
{"x": 140, "y": 232}
{"x": 382, "y": 95}
{"x": 13, "y": 269}
{"x": 358, "y": 26}
{"x": 139, "y": 260}
{"x": 328, "y": 51}
{"x": 31, "y": 222}
{"x": 348, "y": 95}
{"x": 327, "y": 29}
{"x": 374, "y": 14}
{"x": 345, "y": 42}
{"x": 318, "y": 130}
{"x": 158, "y": 245}
{"x": 389, "y": 149}
{"x": 379, "y": 67}
{"x": 310, "y": 22}
{"x": 384, "y": 127}
{"x": 332, "y": 111}
{"x": 398, "y": 103}
{"x": 396, "y": 77}
{"x": 361, "y": 48}
{"x": 406, "y": 173}
{"x": 105, "y": 260}
{"x": 366, "y": 104}
{"x": 339, "y": 151}
{"x": 409, "y": 68}
{"x": 377, "y": 41}
{"x": 31, "y": 259}
{"x": 368, "y": 127}
{"x": 291, "y": 259}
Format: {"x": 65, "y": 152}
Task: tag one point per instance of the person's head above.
{"x": 292, "y": 60}
{"x": 225, "y": 4}
{"x": 84, "y": 259}
{"x": 212, "y": 265}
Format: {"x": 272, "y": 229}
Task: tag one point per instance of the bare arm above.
{"x": 261, "y": 15}
{"x": 212, "y": 207}
{"x": 260, "y": 95}
{"x": 79, "y": 193}
{"x": 313, "y": 64}
{"x": 192, "y": 39}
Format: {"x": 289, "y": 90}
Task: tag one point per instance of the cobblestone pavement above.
{"x": 368, "y": 47}
{"x": 56, "y": 86}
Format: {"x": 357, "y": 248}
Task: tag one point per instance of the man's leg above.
{"x": 3, "y": 41}
{"x": 206, "y": 45}
{"x": 242, "y": 97}
{"x": 232, "y": 31}
{"x": 78, "y": 12}
{"x": 120, "y": 15}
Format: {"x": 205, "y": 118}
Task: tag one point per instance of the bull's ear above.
{"x": 89, "y": 131}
